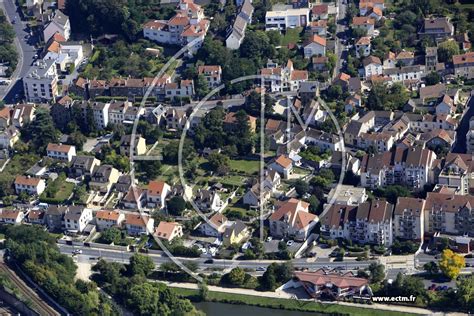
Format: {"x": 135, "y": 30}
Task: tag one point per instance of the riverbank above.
{"x": 269, "y": 300}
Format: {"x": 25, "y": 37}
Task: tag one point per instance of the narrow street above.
{"x": 463, "y": 128}
{"x": 341, "y": 29}
{"x": 25, "y": 46}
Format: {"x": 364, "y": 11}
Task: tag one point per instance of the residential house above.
{"x": 139, "y": 146}
{"x": 408, "y": 219}
{"x": 107, "y": 219}
{"x": 256, "y": 197}
{"x": 37, "y": 217}
{"x": 315, "y": 46}
{"x": 464, "y": 65}
{"x": 156, "y": 194}
{"x": 59, "y": 24}
{"x": 30, "y": 186}
{"x": 208, "y": 201}
{"x": 318, "y": 28}
{"x": 8, "y": 137}
{"x": 168, "y": 231}
{"x": 23, "y": 114}
{"x": 235, "y": 233}
{"x": 14, "y": 217}
{"x": 319, "y": 12}
{"x": 175, "y": 119}
{"x": 216, "y": 226}
{"x": 372, "y": 66}
{"x": 405, "y": 58}
{"x": 320, "y": 63}
{"x": 353, "y": 103}
{"x": 292, "y": 219}
{"x": 117, "y": 110}
{"x": 308, "y": 91}
{"x": 446, "y": 106}
{"x": 135, "y": 198}
{"x": 389, "y": 60}
{"x": 83, "y": 166}
{"x": 433, "y": 92}
{"x": 437, "y": 28}
{"x": 54, "y": 217}
{"x": 405, "y": 74}
{"x": 187, "y": 25}
{"x": 237, "y": 35}
{"x": 103, "y": 178}
{"x": 231, "y": 122}
{"x": 61, "y": 152}
{"x": 279, "y": 79}
{"x": 289, "y": 18}
{"x": 363, "y": 47}
{"x": 124, "y": 183}
{"x": 283, "y": 165}
{"x": 212, "y": 74}
{"x": 364, "y": 23}
{"x": 138, "y": 224}
{"x": 77, "y": 218}
{"x": 431, "y": 58}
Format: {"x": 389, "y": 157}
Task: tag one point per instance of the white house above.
{"x": 216, "y": 227}
{"x": 77, "y": 218}
{"x": 372, "y": 66}
{"x": 292, "y": 219}
{"x": 410, "y": 73}
{"x": 168, "y": 231}
{"x": 31, "y": 186}
{"x": 59, "y": 24}
{"x": 14, "y": 217}
{"x": 138, "y": 224}
{"x": 363, "y": 47}
{"x": 108, "y": 219}
{"x": 156, "y": 193}
{"x": 61, "y": 152}
{"x": 212, "y": 74}
{"x": 283, "y": 165}
{"x": 315, "y": 46}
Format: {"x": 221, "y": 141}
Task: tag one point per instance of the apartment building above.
{"x": 40, "y": 82}
{"x": 366, "y": 223}
{"x": 77, "y": 218}
{"x": 243, "y": 19}
{"x": 455, "y": 171}
{"x": 289, "y": 18}
{"x": 407, "y": 166}
{"x": 408, "y": 219}
{"x": 449, "y": 214}
{"x": 156, "y": 193}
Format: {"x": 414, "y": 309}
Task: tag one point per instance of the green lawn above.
{"x": 288, "y": 304}
{"x": 250, "y": 167}
{"x": 57, "y": 191}
{"x": 292, "y": 36}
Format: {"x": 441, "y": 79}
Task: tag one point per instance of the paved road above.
{"x": 463, "y": 128}
{"x": 341, "y": 28}
{"x": 123, "y": 257}
{"x": 26, "y": 52}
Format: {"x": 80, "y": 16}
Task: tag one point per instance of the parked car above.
{"x": 289, "y": 242}
{"x": 269, "y": 238}
{"x": 261, "y": 269}
{"x": 209, "y": 261}
{"x": 432, "y": 287}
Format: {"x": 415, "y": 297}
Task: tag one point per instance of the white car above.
{"x": 77, "y": 251}
{"x": 269, "y": 238}
{"x": 289, "y": 242}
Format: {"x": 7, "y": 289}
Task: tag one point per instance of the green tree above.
{"x": 431, "y": 267}
{"x": 40, "y": 132}
{"x": 149, "y": 169}
{"x": 465, "y": 292}
{"x": 77, "y": 139}
{"x": 446, "y": 51}
{"x": 111, "y": 235}
{"x": 432, "y": 78}
{"x": 203, "y": 291}
{"x": 236, "y": 276}
{"x": 301, "y": 187}
{"x": 176, "y": 205}
{"x": 201, "y": 86}
{"x": 219, "y": 163}
{"x": 377, "y": 272}
{"x": 141, "y": 265}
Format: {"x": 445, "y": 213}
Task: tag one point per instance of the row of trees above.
{"x": 8, "y": 53}
{"x": 36, "y": 252}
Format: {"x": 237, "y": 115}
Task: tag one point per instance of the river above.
{"x": 219, "y": 309}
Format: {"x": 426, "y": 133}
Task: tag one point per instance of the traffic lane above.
{"x": 121, "y": 256}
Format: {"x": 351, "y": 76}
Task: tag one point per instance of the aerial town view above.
{"x": 236, "y": 157}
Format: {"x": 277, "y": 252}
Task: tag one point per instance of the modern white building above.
{"x": 289, "y": 18}
{"x": 40, "y": 83}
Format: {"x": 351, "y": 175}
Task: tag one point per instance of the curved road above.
{"x": 26, "y": 53}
